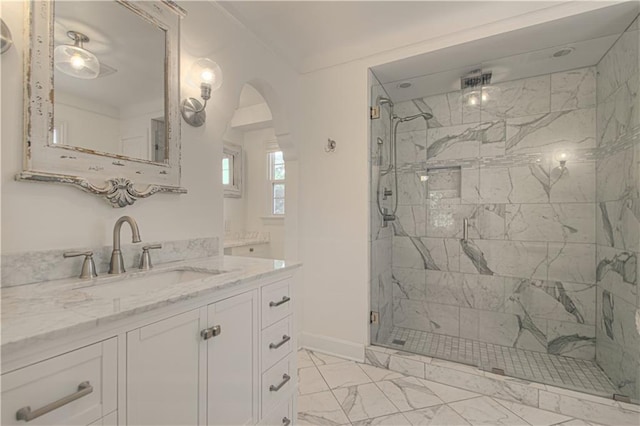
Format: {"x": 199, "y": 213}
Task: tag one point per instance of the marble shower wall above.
{"x": 618, "y": 214}
{"x": 380, "y": 238}
{"x": 526, "y": 278}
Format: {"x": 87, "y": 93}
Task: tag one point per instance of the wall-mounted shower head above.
{"x": 382, "y": 100}
{"x": 424, "y": 115}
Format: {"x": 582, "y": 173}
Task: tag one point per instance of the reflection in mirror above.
{"x": 109, "y": 81}
{"x": 232, "y": 170}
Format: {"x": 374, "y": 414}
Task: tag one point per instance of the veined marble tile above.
{"x": 508, "y": 390}
{"x": 409, "y": 284}
{"x": 445, "y": 220}
{"x": 446, "y": 109}
{"x": 519, "y": 331}
{"x": 518, "y": 184}
{"x": 551, "y": 222}
{"x": 391, "y": 420}
{"x": 618, "y": 224}
{"x": 570, "y": 130}
{"x": 617, "y": 177}
{"x": 310, "y": 381}
{"x": 442, "y": 254}
{"x": 410, "y": 221}
{"x": 408, "y": 393}
{"x": 470, "y": 185}
{"x": 618, "y": 115}
{"x": 376, "y": 358}
{"x": 378, "y": 374}
{"x": 618, "y": 65}
{"x": 363, "y": 402}
{"x": 433, "y": 317}
{"x": 573, "y": 89}
{"x": 411, "y": 191}
{"x": 456, "y": 142}
{"x": 576, "y": 186}
{"x": 571, "y": 339}
{"x": 572, "y": 262}
{"x": 469, "y": 323}
{"x": 407, "y": 254}
{"x": 448, "y": 393}
{"x": 445, "y": 288}
{"x": 617, "y": 272}
{"x": 343, "y": 374}
{"x": 438, "y": 415}
{"x": 320, "y": 409}
{"x": 304, "y": 360}
{"x": 518, "y": 98}
{"x": 622, "y": 365}
{"x": 493, "y": 139}
{"x": 561, "y": 301}
{"x": 616, "y": 320}
{"x": 320, "y": 359}
{"x": 533, "y": 416}
{"x": 486, "y": 411}
{"x": 465, "y": 290}
{"x": 506, "y": 258}
{"x": 411, "y": 147}
{"x": 407, "y": 366}
{"x": 589, "y": 410}
{"x": 487, "y": 221}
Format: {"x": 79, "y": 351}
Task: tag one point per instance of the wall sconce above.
{"x": 561, "y": 156}
{"x": 5, "y": 37}
{"x": 207, "y": 75}
{"x": 75, "y": 60}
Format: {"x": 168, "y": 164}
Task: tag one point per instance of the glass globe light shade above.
{"x": 76, "y": 62}
{"x": 205, "y": 71}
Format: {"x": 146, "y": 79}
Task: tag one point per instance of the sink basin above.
{"x": 151, "y": 282}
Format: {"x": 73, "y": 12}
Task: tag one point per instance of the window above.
{"x": 232, "y": 171}
{"x": 276, "y": 179}
{"x": 227, "y": 161}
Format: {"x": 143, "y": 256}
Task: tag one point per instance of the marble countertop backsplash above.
{"x": 54, "y": 309}
{"x": 39, "y": 266}
{"x": 239, "y": 239}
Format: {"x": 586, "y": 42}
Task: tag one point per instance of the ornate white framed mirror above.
{"x": 102, "y": 97}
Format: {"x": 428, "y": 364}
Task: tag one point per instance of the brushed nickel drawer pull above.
{"x": 285, "y": 379}
{"x": 27, "y": 415}
{"x": 286, "y": 421}
{"x": 285, "y": 299}
{"x": 284, "y": 340}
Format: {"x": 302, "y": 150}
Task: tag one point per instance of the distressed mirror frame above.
{"x": 119, "y": 179}
{"x": 234, "y": 189}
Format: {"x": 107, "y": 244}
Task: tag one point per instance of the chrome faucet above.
{"x": 117, "y": 263}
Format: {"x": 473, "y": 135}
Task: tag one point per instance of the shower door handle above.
{"x": 465, "y": 229}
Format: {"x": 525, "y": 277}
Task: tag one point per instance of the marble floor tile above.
{"x": 320, "y": 409}
{"x": 378, "y": 374}
{"x": 438, "y": 415}
{"x": 343, "y": 374}
{"x": 486, "y": 411}
{"x": 310, "y": 381}
{"x": 449, "y": 393}
{"x": 324, "y": 359}
{"x": 363, "y": 402}
{"x": 391, "y": 420}
{"x": 533, "y": 416}
{"x": 408, "y": 393}
{"x": 304, "y": 360}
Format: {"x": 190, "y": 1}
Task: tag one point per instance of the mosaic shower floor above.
{"x": 556, "y": 370}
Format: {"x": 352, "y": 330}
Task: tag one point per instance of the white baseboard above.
{"x": 332, "y": 346}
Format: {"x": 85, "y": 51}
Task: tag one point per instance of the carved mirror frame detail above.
{"x": 119, "y": 179}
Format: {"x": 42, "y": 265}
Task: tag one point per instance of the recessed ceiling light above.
{"x": 404, "y": 85}
{"x": 563, "y": 52}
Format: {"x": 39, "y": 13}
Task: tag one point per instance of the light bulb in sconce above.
{"x": 207, "y": 75}
{"x": 561, "y": 156}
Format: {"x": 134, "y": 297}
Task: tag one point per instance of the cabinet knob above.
{"x": 210, "y": 332}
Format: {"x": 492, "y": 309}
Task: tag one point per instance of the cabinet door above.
{"x": 163, "y": 371}
{"x": 232, "y": 361}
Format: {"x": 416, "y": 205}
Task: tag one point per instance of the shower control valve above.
{"x": 386, "y": 193}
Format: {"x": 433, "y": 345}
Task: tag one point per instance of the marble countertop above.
{"x": 44, "y": 311}
{"x": 244, "y": 242}
{"x": 239, "y": 239}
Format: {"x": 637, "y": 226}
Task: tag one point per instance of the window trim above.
{"x": 234, "y": 188}
{"x": 273, "y": 182}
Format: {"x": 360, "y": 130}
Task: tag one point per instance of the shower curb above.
{"x": 545, "y": 397}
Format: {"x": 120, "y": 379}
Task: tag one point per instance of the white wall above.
{"x": 45, "y": 216}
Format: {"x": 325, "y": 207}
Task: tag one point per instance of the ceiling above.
{"x": 120, "y": 40}
{"x": 314, "y": 34}
{"x": 513, "y": 55}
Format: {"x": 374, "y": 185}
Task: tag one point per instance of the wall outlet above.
{"x": 374, "y": 318}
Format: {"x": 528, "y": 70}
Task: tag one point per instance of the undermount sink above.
{"x": 147, "y": 283}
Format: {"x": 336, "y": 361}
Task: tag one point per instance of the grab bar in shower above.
{"x": 465, "y": 229}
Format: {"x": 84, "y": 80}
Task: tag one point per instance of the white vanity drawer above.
{"x": 76, "y": 388}
{"x": 282, "y": 415}
{"x": 277, "y": 383}
{"x": 275, "y": 302}
{"x": 110, "y": 419}
{"x": 276, "y": 342}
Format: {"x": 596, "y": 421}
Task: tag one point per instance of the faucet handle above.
{"x": 145, "y": 259}
{"x": 88, "y": 266}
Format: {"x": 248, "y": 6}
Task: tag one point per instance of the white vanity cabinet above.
{"x": 223, "y": 359}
